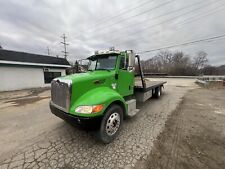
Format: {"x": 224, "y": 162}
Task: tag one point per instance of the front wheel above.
{"x": 111, "y": 124}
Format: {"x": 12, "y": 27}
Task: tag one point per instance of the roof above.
{"x": 22, "y": 58}
{"x": 102, "y": 55}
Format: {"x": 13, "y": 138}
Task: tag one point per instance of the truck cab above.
{"x": 106, "y": 93}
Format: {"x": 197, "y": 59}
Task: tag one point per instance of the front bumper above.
{"x": 72, "y": 118}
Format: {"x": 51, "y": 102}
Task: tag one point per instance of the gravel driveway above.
{"x": 31, "y": 137}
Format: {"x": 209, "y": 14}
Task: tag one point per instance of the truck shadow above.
{"x": 91, "y": 129}
{"x": 88, "y": 126}
{"x": 94, "y": 126}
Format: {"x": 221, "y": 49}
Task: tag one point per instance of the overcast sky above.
{"x": 90, "y": 25}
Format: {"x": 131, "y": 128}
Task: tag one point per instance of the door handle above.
{"x": 116, "y": 76}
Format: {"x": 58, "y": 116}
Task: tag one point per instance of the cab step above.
{"x": 131, "y": 107}
{"x": 133, "y": 113}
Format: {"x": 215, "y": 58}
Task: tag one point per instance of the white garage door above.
{"x": 16, "y": 78}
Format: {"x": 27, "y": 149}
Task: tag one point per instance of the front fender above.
{"x": 100, "y": 95}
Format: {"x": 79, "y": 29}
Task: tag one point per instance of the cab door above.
{"x": 125, "y": 79}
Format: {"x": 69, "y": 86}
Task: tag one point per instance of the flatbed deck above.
{"x": 149, "y": 85}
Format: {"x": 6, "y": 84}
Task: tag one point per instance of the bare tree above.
{"x": 200, "y": 60}
{"x": 181, "y": 64}
{"x": 213, "y": 70}
{"x": 165, "y": 58}
{"x": 176, "y": 63}
{"x": 209, "y": 70}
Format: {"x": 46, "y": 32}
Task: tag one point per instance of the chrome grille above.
{"x": 61, "y": 93}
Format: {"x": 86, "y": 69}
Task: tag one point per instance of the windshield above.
{"x": 102, "y": 63}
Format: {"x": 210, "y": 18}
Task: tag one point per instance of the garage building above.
{"x": 19, "y": 70}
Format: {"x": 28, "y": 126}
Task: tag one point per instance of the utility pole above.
{"x": 65, "y": 44}
{"x": 48, "y": 50}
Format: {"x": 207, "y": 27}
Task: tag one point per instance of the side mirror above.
{"x": 131, "y": 59}
{"x": 130, "y": 68}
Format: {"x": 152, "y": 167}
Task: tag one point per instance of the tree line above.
{"x": 180, "y": 64}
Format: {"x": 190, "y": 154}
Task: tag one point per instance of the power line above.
{"x": 165, "y": 21}
{"x": 165, "y": 14}
{"x": 210, "y": 39}
{"x": 159, "y": 16}
{"x": 150, "y": 25}
{"x": 123, "y": 12}
{"x": 144, "y": 12}
{"x": 65, "y": 45}
{"x": 131, "y": 17}
{"x": 108, "y": 19}
{"x": 206, "y": 14}
{"x": 188, "y": 20}
{"x": 136, "y": 7}
{"x": 120, "y": 14}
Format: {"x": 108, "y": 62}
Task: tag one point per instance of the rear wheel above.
{"x": 157, "y": 92}
{"x": 111, "y": 124}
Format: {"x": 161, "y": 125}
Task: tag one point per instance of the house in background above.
{"x": 19, "y": 70}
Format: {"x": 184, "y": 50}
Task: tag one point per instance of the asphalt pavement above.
{"x": 32, "y": 137}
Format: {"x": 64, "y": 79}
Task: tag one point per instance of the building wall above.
{"x": 16, "y": 78}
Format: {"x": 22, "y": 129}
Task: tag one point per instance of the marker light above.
{"x": 97, "y": 108}
{"x": 89, "y": 109}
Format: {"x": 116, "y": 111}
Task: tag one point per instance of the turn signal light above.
{"x": 97, "y": 108}
{"x": 89, "y": 109}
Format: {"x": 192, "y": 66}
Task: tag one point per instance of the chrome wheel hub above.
{"x": 113, "y": 124}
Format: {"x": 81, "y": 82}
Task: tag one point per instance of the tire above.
{"x": 157, "y": 92}
{"x": 111, "y": 124}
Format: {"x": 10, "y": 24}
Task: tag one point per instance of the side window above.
{"x": 123, "y": 63}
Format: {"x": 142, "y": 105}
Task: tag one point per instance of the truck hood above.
{"x": 89, "y": 76}
{"x": 84, "y": 82}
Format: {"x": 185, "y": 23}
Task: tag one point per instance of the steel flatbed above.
{"x": 149, "y": 85}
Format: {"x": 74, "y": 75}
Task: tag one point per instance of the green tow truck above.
{"x": 107, "y": 93}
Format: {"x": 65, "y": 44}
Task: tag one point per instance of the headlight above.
{"x": 89, "y": 109}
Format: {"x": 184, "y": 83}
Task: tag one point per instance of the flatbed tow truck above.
{"x": 107, "y": 93}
